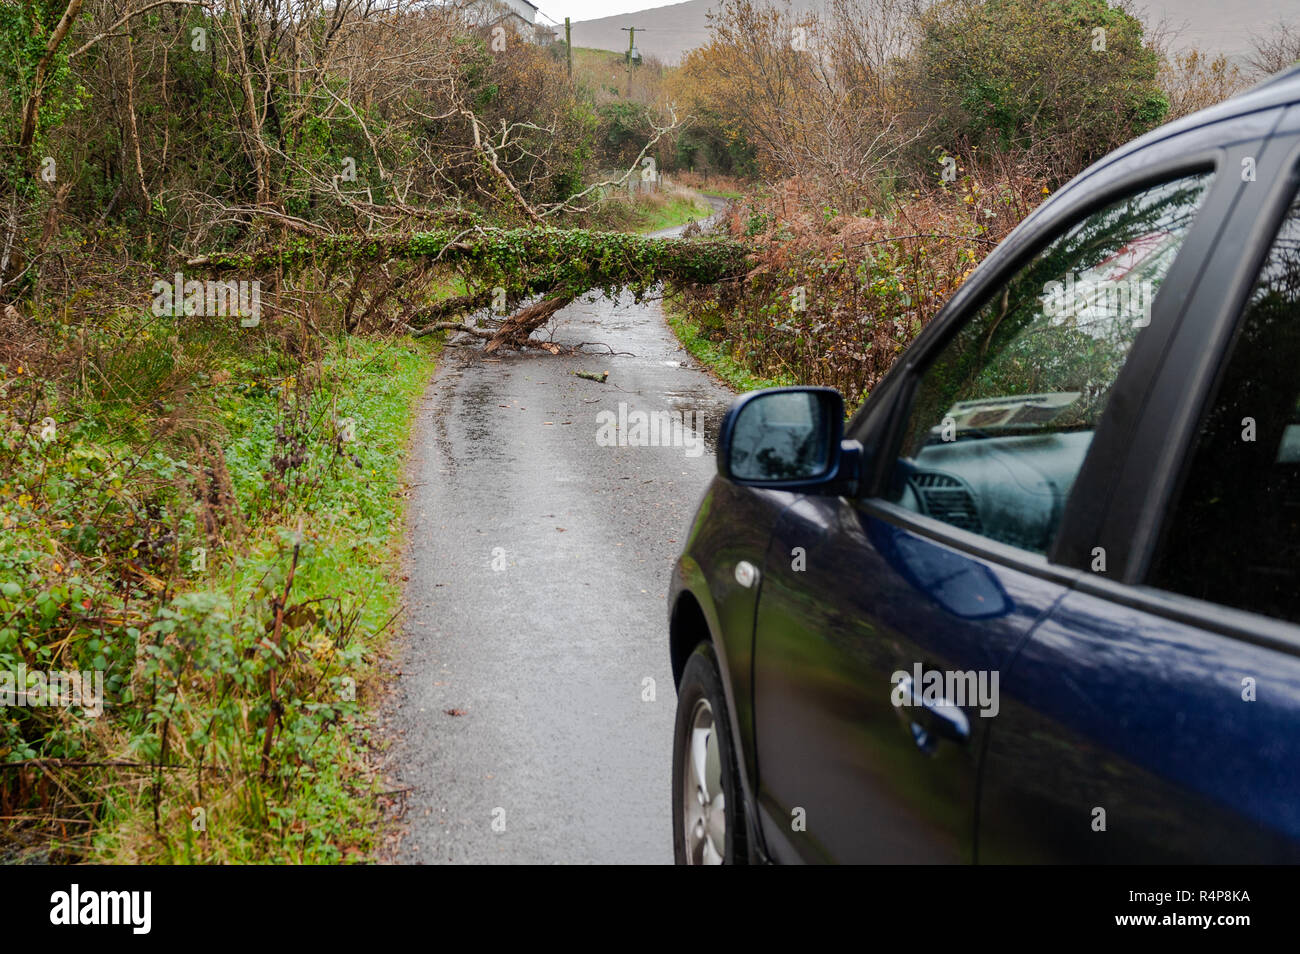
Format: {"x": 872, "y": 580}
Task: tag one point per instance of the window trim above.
{"x": 974, "y": 544}
{"x": 1240, "y": 624}
{"x": 1171, "y": 408}
{"x": 1224, "y": 339}
{"x": 963, "y": 307}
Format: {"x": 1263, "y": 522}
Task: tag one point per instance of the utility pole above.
{"x": 568, "y": 47}
{"x": 633, "y": 55}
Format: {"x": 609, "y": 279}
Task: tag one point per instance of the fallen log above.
{"x": 558, "y": 264}
{"x": 564, "y": 256}
{"x": 525, "y": 321}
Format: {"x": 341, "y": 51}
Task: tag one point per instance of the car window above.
{"x": 1003, "y": 417}
{"x": 1233, "y": 536}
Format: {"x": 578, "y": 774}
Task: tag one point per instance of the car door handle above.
{"x": 931, "y": 721}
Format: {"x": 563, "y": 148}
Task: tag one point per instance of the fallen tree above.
{"x": 540, "y": 270}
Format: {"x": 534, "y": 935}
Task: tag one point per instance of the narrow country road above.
{"x": 539, "y": 561}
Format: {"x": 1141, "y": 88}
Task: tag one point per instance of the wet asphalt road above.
{"x": 539, "y": 562}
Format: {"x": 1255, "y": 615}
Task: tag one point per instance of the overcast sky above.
{"x": 557, "y": 10}
{"x": 1213, "y": 25}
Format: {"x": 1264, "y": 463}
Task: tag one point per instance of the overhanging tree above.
{"x": 540, "y": 267}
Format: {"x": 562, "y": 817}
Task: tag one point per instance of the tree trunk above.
{"x": 525, "y": 321}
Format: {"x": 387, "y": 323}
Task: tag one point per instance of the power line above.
{"x": 552, "y": 19}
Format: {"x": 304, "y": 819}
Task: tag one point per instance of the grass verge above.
{"x": 715, "y": 355}
{"x": 227, "y": 568}
{"x": 655, "y": 213}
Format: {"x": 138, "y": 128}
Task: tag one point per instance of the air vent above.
{"x": 946, "y": 498}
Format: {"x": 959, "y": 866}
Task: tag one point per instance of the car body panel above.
{"x": 850, "y": 598}
{"x": 1175, "y": 716}
{"x": 706, "y": 573}
{"x": 1185, "y": 738}
{"x": 1113, "y": 695}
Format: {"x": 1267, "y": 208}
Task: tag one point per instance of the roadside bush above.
{"x": 835, "y": 299}
{"x": 1193, "y": 81}
{"x": 1062, "y": 82}
{"x": 226, "y": 598}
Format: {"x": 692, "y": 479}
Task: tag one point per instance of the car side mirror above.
{"x": 789, "y": 439}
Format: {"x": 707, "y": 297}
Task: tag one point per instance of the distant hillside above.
{"x": 669, "y": 31}
{"x": 1221, "y": 26}
{"x": 1216, "y": 26}
{"x": 665, "y": 32}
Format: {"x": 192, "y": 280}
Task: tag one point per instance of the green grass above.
{"x": 715, "y": 356}
{"x": 187, "y": 654}
{"x": 676, "y": 210}
{"x": 603, "y": 72}
{"x": 352, "y": 521}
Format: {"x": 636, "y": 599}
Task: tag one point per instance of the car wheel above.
{"x": 708, "y": 810}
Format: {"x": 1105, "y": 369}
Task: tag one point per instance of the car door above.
{"x": 885, "y": 623}
{"x": 1153, "y": 716}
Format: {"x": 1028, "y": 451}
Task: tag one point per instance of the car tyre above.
{"x": 708, "y": 808}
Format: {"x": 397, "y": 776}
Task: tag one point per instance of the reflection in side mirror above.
{"x": 784, "y": 437}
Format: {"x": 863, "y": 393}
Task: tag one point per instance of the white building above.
{"x": 519, "y": 15}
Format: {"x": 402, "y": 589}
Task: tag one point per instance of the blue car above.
{"x": 1038, "y": 601}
